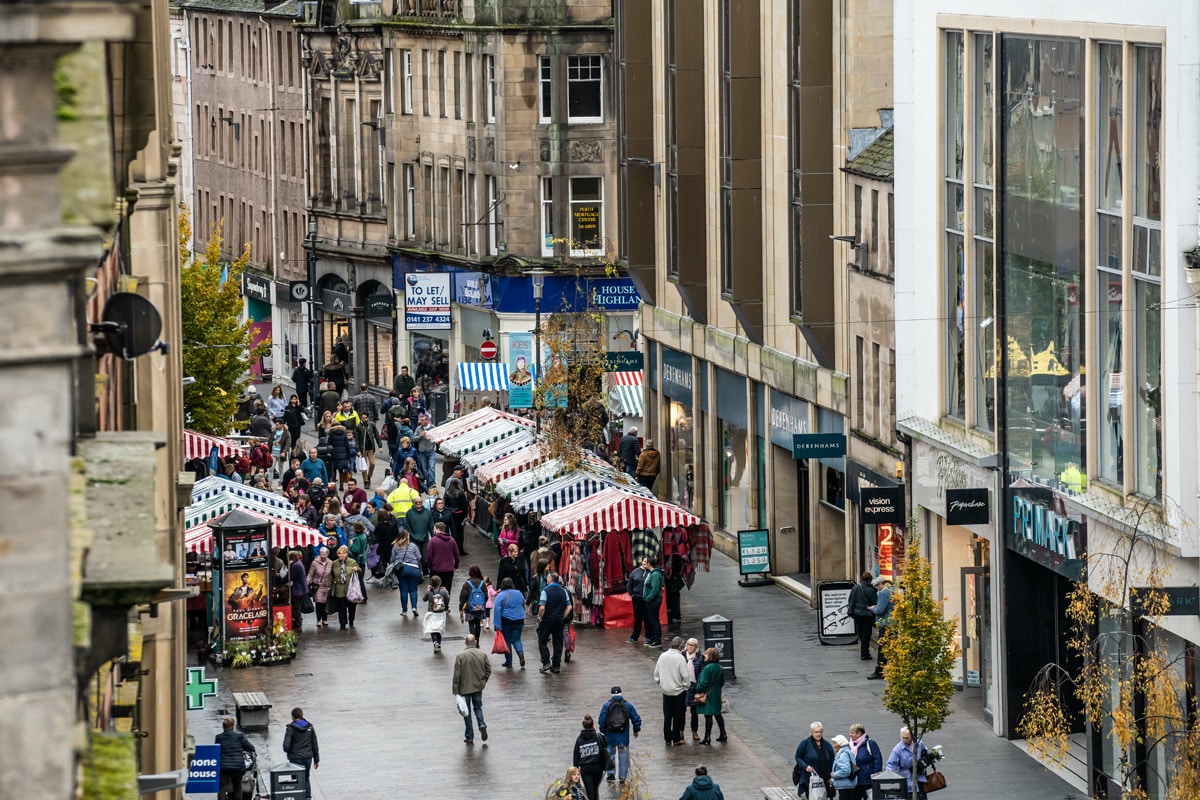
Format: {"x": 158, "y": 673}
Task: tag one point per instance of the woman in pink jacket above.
{"x": 319, "y": 583}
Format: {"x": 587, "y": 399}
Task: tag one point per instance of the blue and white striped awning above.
{"x": 500, "y": 449}
{"x": 567, "y": 490}
{"x": 483, "y": 376}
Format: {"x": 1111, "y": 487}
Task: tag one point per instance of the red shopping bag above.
{"x": 499, "y": 646}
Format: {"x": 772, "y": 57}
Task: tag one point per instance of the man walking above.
{"x": 629, "y": 450}
{"x": 419, "y": 521}
{"x": 652, "y": 595}
{"x": 471, "y": 672}
{"x": 883, "y": 615}
{"x": 673, "y": 675}
{"x": 404, "y": 383}
{"x": 234, "y": 746}
{"x": 552, "y": 614}
{"x": 634, "y": 585}
{"x": 302, "y": 378}
{"x": 300, "y": 745}
{"x": 862, "y": 597}
{"x": 426, "y": 449}
{"x": 617, "y": 718}
{"x": 365, "y": 404}
{"x": 443, "y": 555}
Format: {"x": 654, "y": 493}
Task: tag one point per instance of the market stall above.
{"x": 512, "y": 464}
{"x": 284, "y": 533}
{"x": 490, "y": 433}
{"x": 200, "y": 445}
{"x": 570, "y": 489}
{"x": 218, "y": 504}
{"x": 480, "y": 380}
{"x": 209, "y": 487}
{"x": 476, "y": 419}
{"x": 519, "y": 441}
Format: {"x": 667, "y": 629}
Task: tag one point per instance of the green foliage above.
{"x": 217, "y": 344}
{"x": 65, "y": 95}
{"x": 110, "y": 767}
{"x": 919, "y": 648}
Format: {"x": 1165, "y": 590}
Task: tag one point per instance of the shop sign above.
{"x": 1182, "y": 601}
{"x": 585, "y": 229}
{"x": 859, "y": 477}
{"x": 245, "y": 584}
{"x": 968, "y": 507}
{"x": 754, "y": 551}
{"x": 623, "y": 361}
{"x": 833, "y": 598}
{"x": 520, "y": 370}
{"x": 336, "y": 303}
{"x": 427, "y": 301}
{"x": 936, "y": 473}
{"x": 614, "y": 294}
{"x": 1046, "y": 535}
{"x": 473, "y": 289}
{"x": 789, "y": 416}
{"x": 379, "y": 305}
{"x": 204, "y": 773}
{"x": 677, "y": 375}
{"x": 882, "y": 505}
{"x": 818, "y": 445}
{"x": 256, "y": 288}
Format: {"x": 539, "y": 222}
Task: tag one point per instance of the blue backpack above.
{"x": 477, "y": 601}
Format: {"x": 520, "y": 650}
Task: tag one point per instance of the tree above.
{"x": 1123, "y": 680}
{"x": 571, "y": 395}
{"x": 217, "y": 344}
{"x": 919, "y": 649}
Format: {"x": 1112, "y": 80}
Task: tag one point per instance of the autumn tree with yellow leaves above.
{"x": 218, "y": 346}
{"x": 1127, "y": 684}
{"x": 919, "y": 648}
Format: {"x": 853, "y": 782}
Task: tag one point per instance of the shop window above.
{"x": 489, "y": 88}
{"x": 585, "y": 86}
{"x": 587, "y": 216}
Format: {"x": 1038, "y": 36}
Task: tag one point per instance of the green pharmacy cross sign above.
{"x": 198, "y": 688}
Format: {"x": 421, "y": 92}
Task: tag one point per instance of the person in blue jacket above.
{"x": 814, "y": 756}
{"x": 845, "y": 780}
{"x": 617, "y": 734}
{"x": 867, "y": 755}
{"x": 901, "y": 761}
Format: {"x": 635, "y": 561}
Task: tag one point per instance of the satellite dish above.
{"x": 130, "y": 326}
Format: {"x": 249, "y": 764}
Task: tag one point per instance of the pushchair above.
{"x": 250, "y": 780}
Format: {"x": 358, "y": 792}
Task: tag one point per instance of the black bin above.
{"x": 288, "y": 782}
{"x": 718, "y": 633}
{"x": 888, "y": 785}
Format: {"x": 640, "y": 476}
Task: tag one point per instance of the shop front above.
{"x": 735, "y": 476}
{"x": 334, "y": 304}
{"x": 792, "y": 531}
{"x": 377, "y": 334}
{"x": 682, "y": 428}
{"x": 258, "y": 293}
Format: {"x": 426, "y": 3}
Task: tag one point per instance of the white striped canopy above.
{"x": 199, "y": 445}
{"x": 531, "y": 479}
{"x": 199, "y": 539}
{"x": 212, "y": 486}
{"x": 518, "y": 441}
{"x": 567, "y": 490}
{"x": 480, "y": 438}
{"x": 615, "y": 510}
{"x": 482, "y": 376}
{"x": 218, "y": 505}
{"x": 476, "y": 419}
{"x": 627, "y": 388}
{"x": 511, "y": 464}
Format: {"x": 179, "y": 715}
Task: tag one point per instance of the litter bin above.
{"x": 718, "y": 633}
{"x": 888, "y": 785}
{"x": 439, "y": 405}
{"x": 288, "y": 782}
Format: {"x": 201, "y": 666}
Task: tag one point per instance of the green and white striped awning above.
{"x": 481, "y": 437}
{"x": 626, "y": 389}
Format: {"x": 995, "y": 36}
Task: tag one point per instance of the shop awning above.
{"x": 199, "y": 539}
{"x": 626, "y": 387}
{"x": 515, "y": 443}
{"x": 476, "y": 419}
{"x": 482, "y": 376}
{"x": 530, "y": 479}
{"x": 481, "y": 437}
{"x": 212, "y": 486}
{"x": 214, "y": 506}
{"x": 570, "y": 489}
{"x": 199, "y": 445}
{"x": 615, "y": 510}
{"x": 511, "y": 464}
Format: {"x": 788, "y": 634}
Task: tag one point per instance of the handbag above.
{"x": 306, "y": 605}
{"x": 701, "y": 699}
{"x": 500, "y": 645}
{"x": 934, "y": 781}
{"x": 354, "y": 592}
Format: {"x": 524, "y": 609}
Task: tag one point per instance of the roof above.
{"x": 877, "y": 162}
{"x": 289, "y": 8}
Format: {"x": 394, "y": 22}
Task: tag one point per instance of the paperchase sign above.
{"x": 968, "y": 507}
{"x": 882, "y": 505}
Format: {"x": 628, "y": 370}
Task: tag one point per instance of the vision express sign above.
{"x": 882, "y": 506}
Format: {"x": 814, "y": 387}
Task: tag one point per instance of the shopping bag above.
{"x": 816, "y": 788}
{"x": 360, "y": 464}
{"x": 500, "y": 646}
{"x": 372, "y": 557}
{"x": 461, "y": 703}
{"x": 306, "y": 605}
{"x": 354, "y": 592}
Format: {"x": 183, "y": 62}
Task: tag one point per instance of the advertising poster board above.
{"x": 833, "y": 599}
{"x": 520, "y": 370}
{"x": 204, "y": 773}
{"x": 427, "y": 301}
{"x": 754, "y": 554}
{"x": 245, "y": 585}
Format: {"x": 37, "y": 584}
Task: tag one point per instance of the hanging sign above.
{"x": 427, "y": 301}
{"x": 204, "y": 773}
{"x": 520, "y": 370}
{"x": 968, "y": 507}
{"x": 884, "y": 504}
{"x": 818, "y": 445}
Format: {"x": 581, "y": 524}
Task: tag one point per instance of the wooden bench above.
{"x": 778, "y": 793}
{"x": 253, "y": 709}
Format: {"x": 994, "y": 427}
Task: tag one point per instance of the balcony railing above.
{"x": 429, "y": 9}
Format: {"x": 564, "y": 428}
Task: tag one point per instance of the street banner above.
{"x": 520, "y": 370}
{"x": 245, "y": 584}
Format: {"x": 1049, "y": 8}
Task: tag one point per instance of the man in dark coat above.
{"x": 404, "y": 383}
{"x": 862, "y": 597}
{"x": 300, "y": 744}
{"x": 302, "y": 378}
{"x": 629, "y": 449}
{"x": 234, "y": 746}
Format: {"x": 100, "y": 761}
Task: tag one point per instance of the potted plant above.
{"x": 1193, "y": 257}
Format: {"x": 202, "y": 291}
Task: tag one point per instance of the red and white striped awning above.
{"x": 199, "y": 445}
{"x": 476, "y": 419}
{"x": 199, "y": 539}
{"x": 615, "y": 510}
{"x": 510, "y": 465}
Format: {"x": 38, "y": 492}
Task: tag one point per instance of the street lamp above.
{"x": 538, "y": 276}
{"x": 312, "y": 294}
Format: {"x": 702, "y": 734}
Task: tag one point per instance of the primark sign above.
{"x": 1046, "y": 535}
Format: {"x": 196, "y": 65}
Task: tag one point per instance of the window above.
{"x": 470, "y": 207}
{"x": 406, "y": 84}
{"x": 427, "y": 199}
{"x": 469, "y": 87}
{"x": 873, "y": 245}
{"x": 670, "y": 90}
{"x": 425, "y": 77}
{"x": 445, "y": 197}
{"x": 493, "y": 216}
{"x": 460, "y": 230}
{"x": 725, "y": 145}
{"x": 545, "y": 89}
{"x": 441, "y": 62}
{"x": 547, "y": 216}
{"x": 489, "y": 88}
{"x": 860, "y": 380}
{"x": 983, "y": 311}
{"x": 584, "y": 89}
{"x": 587, "y": 216}
{"x": 955, "y": 255}
{"x": 372, "y": 142}
{"x": 458, "y": 85}
{"x": 410, "y": 202}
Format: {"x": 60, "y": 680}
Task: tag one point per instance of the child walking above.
{"x": 491, "y": 604}
{"x": 438, "y": 605}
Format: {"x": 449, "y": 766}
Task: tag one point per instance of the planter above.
{"x": 1193, "y": 259}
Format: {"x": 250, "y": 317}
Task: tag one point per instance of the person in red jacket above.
{"x": 443, "y": 555}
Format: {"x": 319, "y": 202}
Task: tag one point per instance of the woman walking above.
{"x": 299, "y": 588}
{"x": 276, "y": 403}
{"x": 696, "y": 657}
{"x": 294, "y": 419}
{"x": 456, "y": 504}
{"x": 509, "y": 618}
{"x": 407, "y": 558}
{"x": 708, "y": 694}
{"x": 510, "y": 534}
{"x": 345, "y": 570}
{"x": 472, "y": 600}
{"x": 320, "y": 575}
{"x": 343, "y": 451}
{"x": 510, "y": 567}
{"x": 386, "y": 533}
{"x": 591, "y": 756}
{"x": 438, "y": 606}
{"x": 901, "y": 761}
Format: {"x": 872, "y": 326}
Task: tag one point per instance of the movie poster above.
{"x": 246, "y": 585}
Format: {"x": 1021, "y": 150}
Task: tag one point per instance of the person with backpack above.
{"x": 300, "y": 745}
{"x": 591, "y": 756}
{"x": 617, "y": 718}
{"x": 438, "y": 605}
{"x": 867, "y": 757}
{"x": 472, "y": 600}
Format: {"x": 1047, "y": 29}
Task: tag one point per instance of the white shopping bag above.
{"x": 461, "y": 702}
{"x": 816, "y": 788}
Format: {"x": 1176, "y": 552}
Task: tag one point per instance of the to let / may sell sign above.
{"x": 754, "y": 551}
{"x": 204, "y": 773}
{"x": 427, "y": 301}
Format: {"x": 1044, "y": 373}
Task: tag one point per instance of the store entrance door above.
{"x": 976, "y": 633}
{"x": 803, "y": 524}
